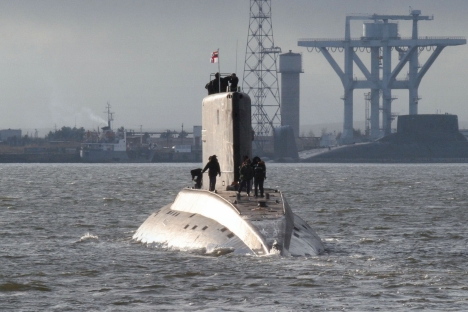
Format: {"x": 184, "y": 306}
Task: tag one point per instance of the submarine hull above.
{"x": 425, "y": 138}
{"x": 221, "y": 223}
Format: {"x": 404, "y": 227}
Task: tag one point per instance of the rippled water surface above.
{"x": 396, "y": 239}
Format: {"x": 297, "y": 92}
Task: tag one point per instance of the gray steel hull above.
{"x": 101, "y": 156}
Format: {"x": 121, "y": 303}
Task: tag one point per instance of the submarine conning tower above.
{"x": 429, "y": 128}
{"x": 226, "y": 133}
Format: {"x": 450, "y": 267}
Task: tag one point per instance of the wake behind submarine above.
{"x": 221, "y": 222}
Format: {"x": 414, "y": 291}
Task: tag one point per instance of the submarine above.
{"x": 423, "y": 138}
{"x": 223, "y": 221}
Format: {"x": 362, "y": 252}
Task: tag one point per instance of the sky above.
{"x": 62, "y": 61}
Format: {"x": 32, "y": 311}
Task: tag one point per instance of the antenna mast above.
{"x": 109, "y": 116}
{"x": 260, "y": 71}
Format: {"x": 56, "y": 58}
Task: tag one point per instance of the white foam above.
{"x": 88, "y": 236}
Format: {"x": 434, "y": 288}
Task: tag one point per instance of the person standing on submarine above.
{"x": 213, "y": 170}
{"x": 246, "y": 174}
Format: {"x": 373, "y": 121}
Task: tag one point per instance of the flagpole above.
{"x": 219, "y": 76}
{"x": 237, "y": 44}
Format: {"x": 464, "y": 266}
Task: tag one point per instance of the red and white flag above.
{"x": 214, "y": 57}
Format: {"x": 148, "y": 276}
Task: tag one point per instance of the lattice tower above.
{"x": 260, "y": 70}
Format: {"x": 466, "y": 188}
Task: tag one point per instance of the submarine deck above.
{"x": 199, "y": 219}
{"x": 255, "y": 208}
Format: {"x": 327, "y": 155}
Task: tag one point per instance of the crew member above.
{"x": 209, "y": 87}
{"x": 197, "y": 177}
{"x": 218, "y": 84}
{"x": 225, "y": 83}
{"x": 234, "y": 81}
{"x": 213, "y": 170}
{"x": 246, "y": 174}
{"x": 259, "y": 177}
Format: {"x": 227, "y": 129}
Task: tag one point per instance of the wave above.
{"x": 88, "y": 236}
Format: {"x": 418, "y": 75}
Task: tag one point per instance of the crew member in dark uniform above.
{"x": 197, "y": 177}
{"x": 254, "y": 163}
{"x": 214, "y": 85}
{"x": 245, "y": 175}
{"x": 214, "y": 170}
{"x": 225, "y": 83}
{"x": 209, "y": 87}
{"x": 259, "y": 177}
{"x": 234, "y": 81}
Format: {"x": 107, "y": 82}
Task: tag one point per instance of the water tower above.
{"x": 290, "y": 66}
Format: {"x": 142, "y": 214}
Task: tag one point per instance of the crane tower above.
{"x": 380, "y": 37}
{"x": 260, "y": 71}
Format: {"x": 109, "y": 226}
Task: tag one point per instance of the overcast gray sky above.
{"x": 62, "y": 61}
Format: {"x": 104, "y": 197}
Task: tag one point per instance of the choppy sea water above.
{"x": 396, "y": 239}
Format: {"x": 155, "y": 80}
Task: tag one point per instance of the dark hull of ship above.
{"x": 100, "y": 156}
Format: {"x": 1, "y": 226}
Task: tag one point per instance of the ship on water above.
{"x": 111, "y": 146}
{"x": 223, "y": 221}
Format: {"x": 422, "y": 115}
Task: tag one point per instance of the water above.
{"x": 395, "y": 236}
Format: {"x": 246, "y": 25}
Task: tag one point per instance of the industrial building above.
{"x": 9, "y": 134}
{"x": 379, "y": 39}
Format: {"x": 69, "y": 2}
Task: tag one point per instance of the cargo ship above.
{"x": 107, "y": 146}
